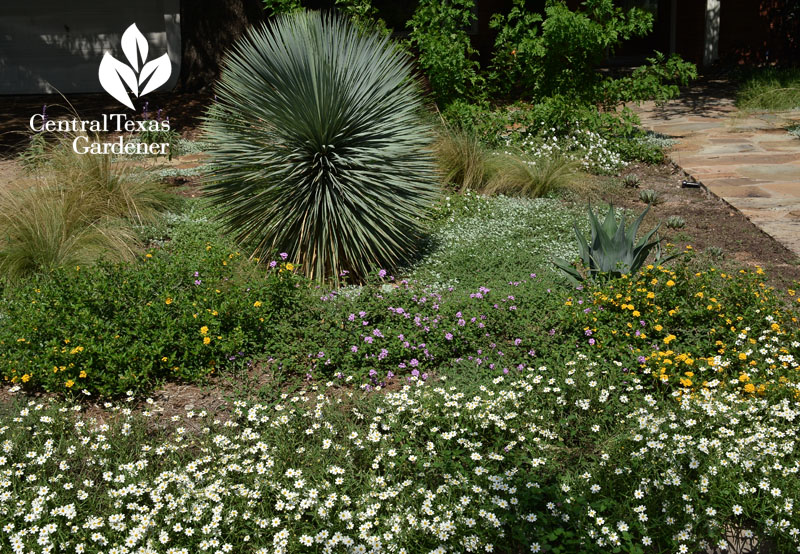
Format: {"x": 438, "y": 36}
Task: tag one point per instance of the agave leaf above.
{"x": 572, "y": 274}
{"x": 634, "y": 230}
{"x": 614, "y": 249}
{"x": 583, "y": 247}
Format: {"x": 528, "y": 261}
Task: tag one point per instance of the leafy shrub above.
{"x": 445, "y": 53}
{"x": 364, "y": 14}
{"x": 319, "y": 151}
{"x": 558, "y": 55}
{"x": 281, "y": 7}
{"x": 178, "y": 313}
{"x": 612, "y": 250}
{"x": 34, "y": 154}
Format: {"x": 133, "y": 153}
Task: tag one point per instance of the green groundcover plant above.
{"x": 181, "y": 312}
{"x": 574, "y": 456}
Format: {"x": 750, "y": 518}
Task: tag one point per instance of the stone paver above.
{"x": 749, "y": 161}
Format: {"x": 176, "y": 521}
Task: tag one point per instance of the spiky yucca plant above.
{"x": 318, "y": 146}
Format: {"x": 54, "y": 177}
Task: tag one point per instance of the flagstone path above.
{"x": 749, "y": 161}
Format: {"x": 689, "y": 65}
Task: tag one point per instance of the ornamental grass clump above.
{"x": 319, "y": 148}
{"x": 75, "y": 209}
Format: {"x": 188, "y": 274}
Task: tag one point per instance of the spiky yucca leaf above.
{"x": 318, "y": 146}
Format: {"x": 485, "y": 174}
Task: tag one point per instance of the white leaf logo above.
{"x": 117, "y": 78}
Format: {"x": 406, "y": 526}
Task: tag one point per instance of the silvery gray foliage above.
{"x": 613, "y": 249}
{"x": 319, "y": 147}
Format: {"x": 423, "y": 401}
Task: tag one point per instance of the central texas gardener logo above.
{"x": 140, "y": 77}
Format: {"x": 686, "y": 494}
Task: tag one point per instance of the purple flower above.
{"x": 354, "y": 348}
{"x": 320, "y": 354}
{"x": 552, "y": 332}
{"x": 382, "y": 273}
{"x": 591, "y": 341}
{"x": 415, "y": 372}
{"x": 588, "y": 332}
{"x": 197, "y": 274}
{"x": 641, "y": 359}
{"x": 448, "y": 336}
{"x": 197, "y": 282}
{"x": 368, "y": 340}
{"x": 273, "y": 263}
{"x": 283, "y": 255}
{"x": 389, "y": 375}
{"x": 424, "y": 376}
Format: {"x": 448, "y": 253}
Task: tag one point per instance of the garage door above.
{"x": 56, "y": 45}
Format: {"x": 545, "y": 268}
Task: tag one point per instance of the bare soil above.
{"x": 710, "y": 222}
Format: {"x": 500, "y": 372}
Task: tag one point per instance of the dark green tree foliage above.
{"x": 445, "y": 55}
{"x": 319, "y": 148}
{"x": 558, "y": 55}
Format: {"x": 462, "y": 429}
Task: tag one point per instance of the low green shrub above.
{"x": 557, "y": 53}
{"x": 180, "y": 312}
{"x": 604, "y": 142}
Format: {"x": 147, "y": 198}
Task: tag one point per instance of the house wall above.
{"x": 56, "y": 45}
